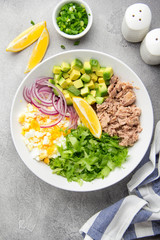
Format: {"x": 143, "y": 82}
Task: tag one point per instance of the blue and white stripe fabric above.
{"x": 138, "y": 214}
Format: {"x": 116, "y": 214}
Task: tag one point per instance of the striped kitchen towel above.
{"x": 138, "y": 214}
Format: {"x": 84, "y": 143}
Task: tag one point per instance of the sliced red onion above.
{"x": 42, "y": 96}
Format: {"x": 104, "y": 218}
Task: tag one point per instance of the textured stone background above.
{"x": 29, "y": 208}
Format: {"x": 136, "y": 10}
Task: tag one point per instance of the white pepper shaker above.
{"x": 150, "y": 47}
{"x": 136, "y": 22}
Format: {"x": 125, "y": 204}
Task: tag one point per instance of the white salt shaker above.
{"x": 150, "y": 47}
{"x": 136, "y": 22}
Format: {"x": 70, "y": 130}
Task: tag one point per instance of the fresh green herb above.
{"x": 63, "y": 47}
{"x": 86, "y": 157}
{"x": 72, "y": 18}
{"x": 77, "y": 42}
{"x": 89, "y": 14}
{"x": 32, "y": 22}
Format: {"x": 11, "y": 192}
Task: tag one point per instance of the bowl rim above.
{"x": 91, "y": 188}
{"x": 56, "y": 11}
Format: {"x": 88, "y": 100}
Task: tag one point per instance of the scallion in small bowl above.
{"x": 72, "y": 18}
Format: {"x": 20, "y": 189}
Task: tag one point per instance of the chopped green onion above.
{"x": 77, "y": 42}
{"x": 72, "y": 18}
{"x": 63, "y": 47}
{"x": 32, "y": 22}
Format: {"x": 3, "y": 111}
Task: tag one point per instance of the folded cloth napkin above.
{"x": 138, "y": 214}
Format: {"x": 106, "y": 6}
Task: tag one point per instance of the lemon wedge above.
{"x": 39, "y": 50}
{"x": 88, "y": 116}
{"x": 26, "y": 38}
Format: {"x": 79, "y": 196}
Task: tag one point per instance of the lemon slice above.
{"x": 26, "y": 38}
{"x": 39, "y": 50}
{"x": 88, "y": 116}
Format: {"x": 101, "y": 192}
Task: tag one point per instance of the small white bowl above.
{"x": 57, "y": 10}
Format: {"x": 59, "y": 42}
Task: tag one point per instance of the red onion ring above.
{"x": 42, "y": 96}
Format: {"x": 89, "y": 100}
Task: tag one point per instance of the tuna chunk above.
{"x": 118, "y": 114}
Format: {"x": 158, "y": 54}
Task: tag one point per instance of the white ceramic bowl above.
{"x": 136, "y": 152}
{"x": 57, "y": 10}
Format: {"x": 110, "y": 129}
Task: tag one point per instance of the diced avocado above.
{"x": 56, "y": 77}
{"x": 90, "y": 99}
{"x": 93, "y": 93}
{"x": 69, "y": 72}
{"x": 107, "y": 73}
{"x": 59, "y": 87}
{"x": 101, "y": 80}
{"x": 68, "y": 99}
{"x": 94, "y": 64}
{"x": 93, "y": 77}
{"x": 87, "y": 67}
{"x": 90, "y": 84}
{"x": 56, "y": 69}
{"x": 63, "y": 83}
{"x": 84, "y": 91}
{"x": 96, "y": 85}
{"x": 65, "y": 75}
{"x": 85, "y": 78}
{"x": 75, "y": 74}
{"x": 82, "y": 71}
{"x": 100, "y": 72}
{"x": 76, "y": 64}
{"x": 78, "y": 83}
{"x": 102, "y": 90}
{"x": 65, "y": 66}
{"x": 99, "y": 100}
{"x": 73, "y": 90}
{"x": 51, "y": 80}
{"x": 69, "y": 82}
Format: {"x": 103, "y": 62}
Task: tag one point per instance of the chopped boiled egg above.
{"x": 42, "y": 142}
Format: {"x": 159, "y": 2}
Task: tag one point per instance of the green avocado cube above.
{"x": 65, "y": 75}
{"x": 99, "y": 100}
{"x": 51, "y": 80}
{"x": 87, "y": 67}
{"x": 82, "y": 71}
{"x": 101, "y": 90}
{"x": 78, "y": 83}
{"x": 100, "y": 71}
{"x": 75, "y": 74}
{"x": 73, "y": 90}
{"x": 85, "y": 78}
{"x": 68, "y": 98}
{"x": 56, "y": 69}
{"x": 101, "y": 80}
{"x": 90, "y": 84}
{"x": 94, "y": 64}
{"x": 84, "y": 91}
{"x": 107, "y": 73}
{"x": 76, "y": 64}
{"x": 90, "y": 99}
{"x": 63, "y": 83}
{"x": 69, "y": 82}
{"x": 55, "y": 91}
{"x": 93, "y": 77}
{"x": 65, "y": 66}
{"x": 93, "y": 93}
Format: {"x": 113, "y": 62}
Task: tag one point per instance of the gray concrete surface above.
{"x": 30, "y": 209}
